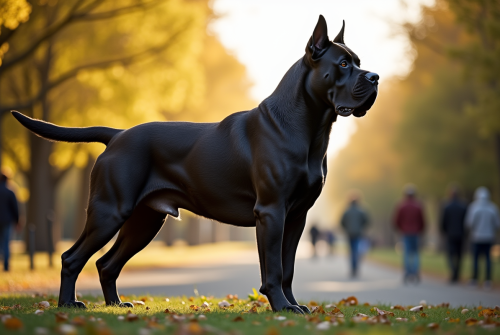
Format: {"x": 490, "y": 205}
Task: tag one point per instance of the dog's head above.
{"x": 335, "y": 75}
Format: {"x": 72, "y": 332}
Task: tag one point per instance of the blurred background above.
{"x": 80, "y": 63}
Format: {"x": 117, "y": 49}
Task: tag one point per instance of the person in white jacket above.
{"x": 483, "y": 221}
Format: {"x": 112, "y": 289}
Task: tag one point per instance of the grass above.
{"x": 151, "y": 318}
{"x": 155, "y": 255}
{"x": 433, "y": 263}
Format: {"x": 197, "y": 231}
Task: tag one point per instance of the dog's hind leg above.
{"x": 291, "y": 236}
{"x": 135, "y": 235}
{"x": 103, "y": 222}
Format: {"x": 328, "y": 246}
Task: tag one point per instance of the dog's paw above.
{"x": 126, "y": 305}
{"x": 305, "y": 309}
{"x": 73, "y": 304}
{"x": 293, "y": 308}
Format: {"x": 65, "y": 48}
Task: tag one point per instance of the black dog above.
{"x": 262, "y": 168}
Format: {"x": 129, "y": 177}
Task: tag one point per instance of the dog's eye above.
{"x": 343, "y": 64}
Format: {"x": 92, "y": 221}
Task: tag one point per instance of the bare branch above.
{"x": 6, "y": 34}
{"x": 73, "y": 16}
{"x": 120, "y": 11}
{"x": 127, "y": 60}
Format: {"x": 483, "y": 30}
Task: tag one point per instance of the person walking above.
{"x": 9, "y": 215}
{"x": 482, "y": 220}
{"x": 452, "y": 227}
{"x": 314, "y": 232}
{"x": 354, "y": 221}
{"x": 409, "y": 221}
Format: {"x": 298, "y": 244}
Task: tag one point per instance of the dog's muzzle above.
{"x": 364, "y": 91}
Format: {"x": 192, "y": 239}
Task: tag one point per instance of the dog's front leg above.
{"x": 270, "y": 224}
{"x": 291, "y": 236}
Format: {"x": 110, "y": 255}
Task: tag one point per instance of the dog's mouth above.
{"x": 357, "y": 111}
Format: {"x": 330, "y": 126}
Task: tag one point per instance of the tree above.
{"x": 47, "y": 79}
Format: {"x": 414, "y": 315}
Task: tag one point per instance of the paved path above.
{"x": 323, "y": 279}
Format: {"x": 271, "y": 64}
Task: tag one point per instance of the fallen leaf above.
{"x": 417, "y": 308}
{"x": 252, "y": 310}
{"x": 433, "y": 326}
{"x": 194, "y": 308}
{"x": 44, "y": 304}
{"x": 280, "y": 317}
{"x": 486, "y": 312}
{"x": 349, "y": 301}
{"x": 471, "y": 321}
{"x": 313, "y": 319}
{"x": 67, "y": 329}
{"x": 120, "y": 318}
{"x": 202, "y": 317}
{"x": 402, "y": 319}
{"x": 39, "y": 312}
{"x": 464, "y": 311}
{"x": 318, "y": 310}
{"x": 238, "y": 319}
{"x": 288, "y": 323}
{"x": 313, "y": 303}
{"x": 452, "y": 320}
{"x": 382, "y": 312}
{"x": 138, "y": 302}
{"x": 398, "y": 307}
{"x": 205, "y": 305}
{"x": 256, "y": 323}
{"x": 78, "y": 321}
{"x": 13, "y": 323}
{"x": 423, "y": 315}
{"x": 131, "y": 317}
{"x": 61, "y": 317}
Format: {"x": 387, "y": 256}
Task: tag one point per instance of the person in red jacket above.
{"x": 409, "y": 221}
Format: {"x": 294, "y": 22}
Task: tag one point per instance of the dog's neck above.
{"x": 296, "y": 111}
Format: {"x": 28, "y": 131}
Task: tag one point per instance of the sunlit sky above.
{"x": 269, "y": 36}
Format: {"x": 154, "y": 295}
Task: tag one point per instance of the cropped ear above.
{"x": 320, "y": 34}
{"x": 319, "y": 40}
{"x": 340, "y": 36}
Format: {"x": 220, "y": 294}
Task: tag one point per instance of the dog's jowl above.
{"x": 261, "y": 168}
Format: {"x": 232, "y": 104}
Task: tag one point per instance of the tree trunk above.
{"x": 83, "y": 197}
{"x": 1, "y": 140}
{"x": 41, "y": 202}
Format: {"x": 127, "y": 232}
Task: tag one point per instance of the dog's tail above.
{"x": 52, "y": 132}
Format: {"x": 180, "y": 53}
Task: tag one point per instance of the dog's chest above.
{"x": 308, "y": 189}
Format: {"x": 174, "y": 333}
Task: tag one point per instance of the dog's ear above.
{"x": 319, "y": 40}
{"x": 340, "y": 36}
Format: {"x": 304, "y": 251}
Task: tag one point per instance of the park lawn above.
{"x": 155, "y": 255}
{"x": 183, "y": 315}
{"x": 433, "y": 263}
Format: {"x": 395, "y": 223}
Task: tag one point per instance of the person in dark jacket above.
{"x": 9, "y": 215}
{"x": 409, "y": 221}
{"x": 354, "y": 221}
{"x": 314, "y": 232}
{"x": 452, "y": 227}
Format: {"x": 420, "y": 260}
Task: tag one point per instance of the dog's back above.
{"x": 202, "y": 167}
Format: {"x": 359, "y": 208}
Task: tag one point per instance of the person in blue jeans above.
{"x": 409, "y": 221}
{"x": 483, "y": 221}
{"x": 9, "y": 215}
{"x": 354, "y": 221}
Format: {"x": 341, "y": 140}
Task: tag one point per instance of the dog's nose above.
{"x": 372, "y": 77}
